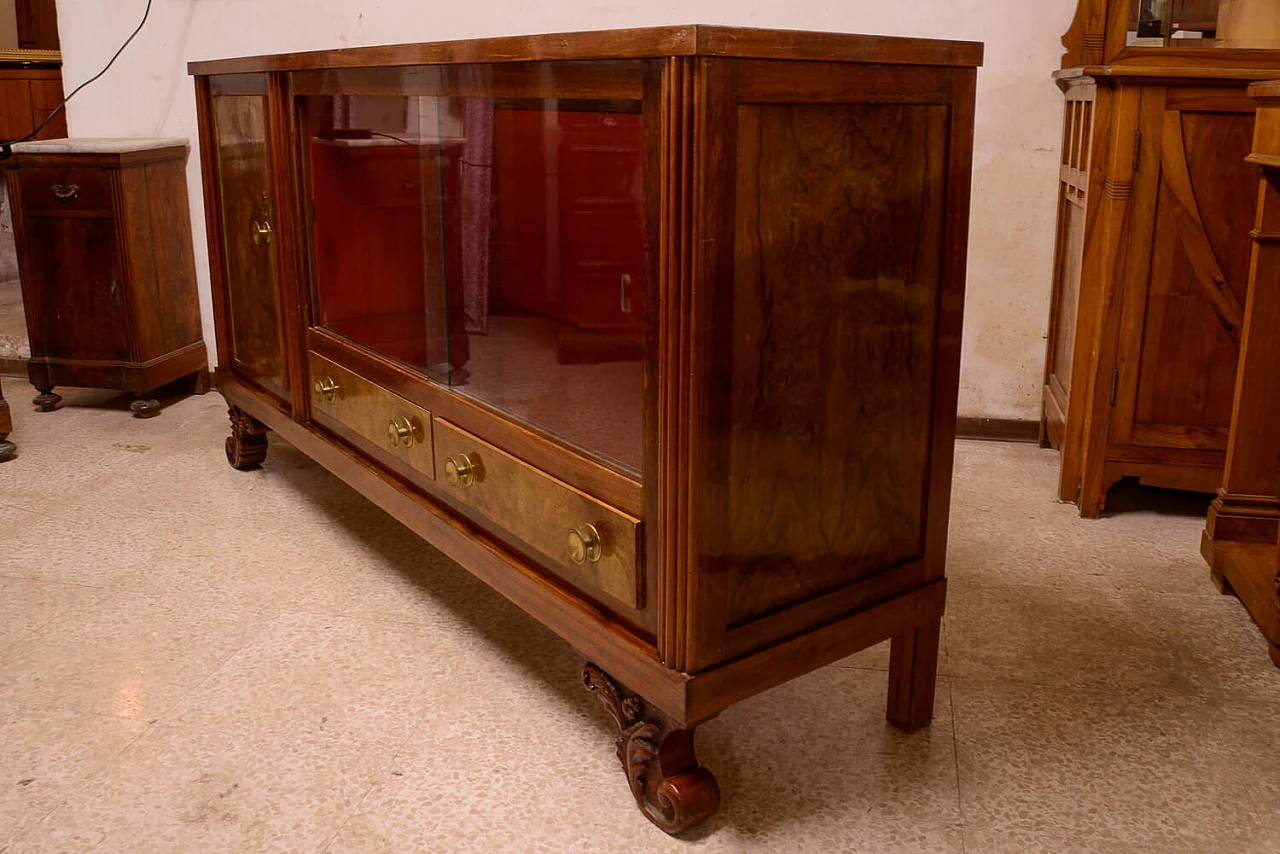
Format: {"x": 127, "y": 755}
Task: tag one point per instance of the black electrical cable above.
{"x": 6, "y": 147}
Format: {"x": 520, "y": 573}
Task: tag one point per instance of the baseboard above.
{"x": 13, "y": 368}
{"x": 998, "y": 429}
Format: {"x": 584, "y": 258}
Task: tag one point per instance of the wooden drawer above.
{"x": 57, "y": 189}
{"x": 397, "y": 426}
{"x": 543, "y": 511}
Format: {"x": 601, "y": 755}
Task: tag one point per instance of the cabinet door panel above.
{"x": 76, "y": 289}
{"x": 1195, "y": 290}
{"x": 249, "y": 254}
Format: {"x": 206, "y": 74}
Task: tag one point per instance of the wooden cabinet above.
{"x": 7, "y": 448}
{"x": 1150, "y": 279}
{"x": 1239, "y": 541}
{"x": 30, "y": 89}
{"x": 654, "y": 331}
{"x": 104, "y": 254}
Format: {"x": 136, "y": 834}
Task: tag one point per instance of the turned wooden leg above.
{"x": 46, "y": 400}
{"x": 670, "y": 787}
{"x": 913, "y": 673}
{"x": 7, "y": 450}
{"x": 247, "y": 444}
{"x": 145, "y": 406}
{"x": 198, "y": 383}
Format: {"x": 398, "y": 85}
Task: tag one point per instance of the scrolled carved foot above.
{"x": 247, "y": 444}
{"x": 46, "y": 400}
{"x": 670, "y": 787}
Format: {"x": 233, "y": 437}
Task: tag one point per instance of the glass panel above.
{"x": 1204, "y": 23}
{"x": 250, "y": 271}
{"x": 494, "y": 243}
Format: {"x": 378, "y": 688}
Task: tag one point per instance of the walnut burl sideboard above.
{"x": 657, "y": 332}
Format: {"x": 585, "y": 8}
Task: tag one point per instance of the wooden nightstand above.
{"x": 108, "y": 279}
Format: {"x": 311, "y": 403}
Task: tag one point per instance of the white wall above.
{"x": 147, "y": 93}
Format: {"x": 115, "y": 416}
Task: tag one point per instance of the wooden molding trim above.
{"x": 998, "y": 429}
{"x": 13, "y": 368}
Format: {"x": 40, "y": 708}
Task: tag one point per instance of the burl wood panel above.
{"x": 252, "y": 293}
{"x": 1189, "y": 358}
{"x": 824, "y": 438}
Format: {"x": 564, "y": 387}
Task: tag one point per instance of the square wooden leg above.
{"x": 913, "y": 673}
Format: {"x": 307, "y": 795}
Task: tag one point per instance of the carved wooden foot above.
{"x": 7, "y": 450}
{"x": 247, "y": 444}
{"x": 46, "y": 400}
{"x": 145, "y": 407}
{"x": 670, "y": 787}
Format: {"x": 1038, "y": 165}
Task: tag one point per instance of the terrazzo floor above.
{"x": 198, "y": 659}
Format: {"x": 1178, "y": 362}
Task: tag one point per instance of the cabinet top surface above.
{"x": 651, "y": 42}
{"x": 96, "y": 145}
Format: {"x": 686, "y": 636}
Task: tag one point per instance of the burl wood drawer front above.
{"x": 60, "y": 189}
{"x": 595, "y": 544}
{"x": 400, "y": 428}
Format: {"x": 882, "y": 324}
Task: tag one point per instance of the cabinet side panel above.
{"x": 829, "y": 369}
{"x": 172, "y": 253}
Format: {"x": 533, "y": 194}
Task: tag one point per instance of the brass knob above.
{"x": 261, "y": 232}
{"x": 584, "y": 544}
{"x": 460, "y": 471}
{"x": 400, "y": 432}
{"x": 326, "y": 389}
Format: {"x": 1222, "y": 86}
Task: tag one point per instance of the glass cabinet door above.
{"x": 1204, "y": 23}
{"x": 249, "y": 261}
{"x": 490, "y": 233}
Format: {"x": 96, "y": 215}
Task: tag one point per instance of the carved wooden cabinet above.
{"x": 1155, "y": 206}
{"x": 1239, "y": 541}
{"x": 7, "y": 448}
{"x": 108, "y": 279}
{"x": 655, "y": 331}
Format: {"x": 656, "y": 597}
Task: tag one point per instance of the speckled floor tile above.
{"x": 45, "y": 755}
{"x": 122, "y": 654}
{"x": 1143, "y": 767}
{"x": 28, "y": 605}
{"x": 182, "y": 789}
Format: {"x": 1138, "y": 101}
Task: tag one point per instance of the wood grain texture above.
{"x": 687, "y": 40}
{"x": 251, "y": 292}
{"x": 825, "y": 422}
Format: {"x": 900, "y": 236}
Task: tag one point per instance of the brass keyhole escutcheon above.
{"x": 326, "y": 389}
{"x": 584, "y": 544}
{"x": 400, "y": 432}
{"x": 460, "y": 471}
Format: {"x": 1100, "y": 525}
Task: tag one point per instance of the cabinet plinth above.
{"x": 656, "y": 332}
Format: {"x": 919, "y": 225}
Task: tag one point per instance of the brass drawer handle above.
{"x": 400, "y": 432}
{"x": 261, "y": 232}
{"x": 65, "y": 192}
{"x": 584, "y": 544}
{"x": 326, "y": 390}
{"x": 460, "y": 471}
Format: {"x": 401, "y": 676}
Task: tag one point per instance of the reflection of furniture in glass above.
{"x": 108, "y": 279}
{"x": 7, "y": 449}
{"x": 1240, "y": 534}
{"x": 1155, "y": 206}
{"x": 707, "y": 284}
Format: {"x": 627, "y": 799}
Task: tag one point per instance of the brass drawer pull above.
{"x": 400, "y": 432}
{"x": 65, "y": 191}
{"x": 326, "y": 390}
{"x": 460, "y": 470}
{"x": 584, "y": 544}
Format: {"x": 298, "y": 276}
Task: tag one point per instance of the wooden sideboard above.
{"x": 30, "y": 88}
{"x": 1239, "y": 541}
{"x": 1152, "y": 258}
{"x": 655, "y": 331}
